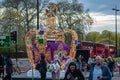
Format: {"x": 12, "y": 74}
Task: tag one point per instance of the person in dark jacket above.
{"x": 73, "y": 73}
{"x": 42, "y": 67}
{"x": 9, "y": 68}
{"x": 99, "y": 71}
{"x": 111, "y": 64}
{"x": 1, "y": 65}
{"x": 78, "y": 62}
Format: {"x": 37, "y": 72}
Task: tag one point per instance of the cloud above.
{"x": 104, "y": 22}
{"x": 102, "y": 13}
{"x": 104, "y": 6}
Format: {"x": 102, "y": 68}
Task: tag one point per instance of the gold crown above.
{"x": 50, "y": 34}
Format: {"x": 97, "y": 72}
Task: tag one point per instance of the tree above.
{"x": 93, "y": 36}
{"x": 19, "y": 15}
{"x": 107, "y": 37}
{"x": 72, "y": 16}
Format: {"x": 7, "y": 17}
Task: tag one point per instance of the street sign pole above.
{"x": 14, "y": 40}
{"x": 16, "y": 52}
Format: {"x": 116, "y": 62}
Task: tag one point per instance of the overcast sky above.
{"x": 102, "y": 13}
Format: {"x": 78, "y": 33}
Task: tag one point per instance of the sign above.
{"x": 4, "y": 41}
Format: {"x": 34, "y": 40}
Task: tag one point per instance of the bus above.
{"x": 110, "y": 50}
{"x": 101, "y": 49}
{"x": 87, "y": 45}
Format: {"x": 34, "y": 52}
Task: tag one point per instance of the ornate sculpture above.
{"x": 53, "y": 41}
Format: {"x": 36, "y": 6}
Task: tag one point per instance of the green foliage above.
{"x": 105, "y": 37}
{"x": 93, "y": 36}
{"x": 116, "y": 59}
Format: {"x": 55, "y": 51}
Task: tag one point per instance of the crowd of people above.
{"x": 73, "y": 68}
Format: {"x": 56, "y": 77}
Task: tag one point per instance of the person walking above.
{"x": 111, "y": 64}
{"x": 9, "y": 68}
{"x": 42, "y": 67}
{"x": 55, "y": 68}
{"x": 73, "y": 73}
{"x": 99, "y": 71}
{"x": 67, "y": 62}
{"x": 78, "y": 62}
{"x": 1, "y": 66}
{"x": 91, "y": 62}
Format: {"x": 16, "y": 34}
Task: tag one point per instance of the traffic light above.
{"x": 13, "y": 36}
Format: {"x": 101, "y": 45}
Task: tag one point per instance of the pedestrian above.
{"x": 42, "y": 67}
{"x": 91, "y": 62}
{"x": 53, "y": 69}
{"x": 73, "y": 73}
{"x": 56, "y": 68}
{"x": 99, "y": 71}
{"x": 78, "y": 62}
{"x": 9, "y": 68}
{"x": 111, "y": 64}
{"x": 1, "y": 66}
{"x": 67, "y": 62}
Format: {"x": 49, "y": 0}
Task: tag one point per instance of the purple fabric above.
{"x": 53, "y": 46}
{"x": 76, "y": 42}
{"x": 35, "y": 49}
{"x": 42, "y": 54}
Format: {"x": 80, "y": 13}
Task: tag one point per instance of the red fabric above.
{"x": 118, "y": 68}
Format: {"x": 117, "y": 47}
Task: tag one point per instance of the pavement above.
{"x": 27, "y": 75}
{"x": 86, "y": 74}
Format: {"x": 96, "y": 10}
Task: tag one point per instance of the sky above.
{"x": 102, "y": 14}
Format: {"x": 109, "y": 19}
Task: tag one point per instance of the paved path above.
{"x": 24, "y": 62}
{"x": 24, "y": 75}
{"x": 116, "y": 76}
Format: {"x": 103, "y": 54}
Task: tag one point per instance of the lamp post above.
{"x": 37, "y": 14}
{"x": 116, "y": 10}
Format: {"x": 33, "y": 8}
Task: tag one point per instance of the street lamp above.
{"x": 116, "y": 10}
{"x": 37, "y": 14}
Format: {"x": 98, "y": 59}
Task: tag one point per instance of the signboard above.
{"x": 4, "y": 41}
